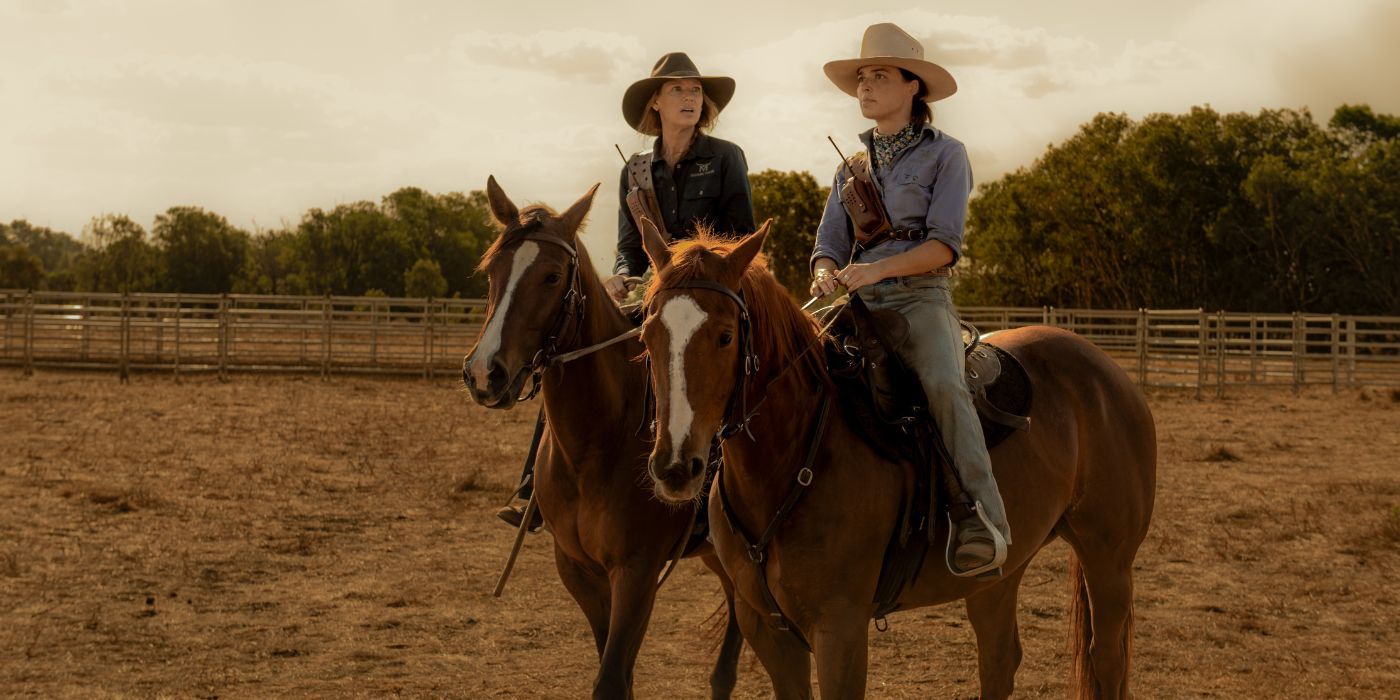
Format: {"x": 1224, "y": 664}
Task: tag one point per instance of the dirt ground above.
{"x": 286, "y": 536}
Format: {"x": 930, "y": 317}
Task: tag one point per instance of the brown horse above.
{"x": 1084, "y": 471}
{"x": 612, "y": 538}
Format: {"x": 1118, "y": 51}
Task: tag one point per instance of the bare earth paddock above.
{"x": 286, "y": 536}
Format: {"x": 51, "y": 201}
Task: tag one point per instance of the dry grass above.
{"x": 283, "y": 536}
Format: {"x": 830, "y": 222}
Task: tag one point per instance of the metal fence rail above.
{"x": 252, "y": 333}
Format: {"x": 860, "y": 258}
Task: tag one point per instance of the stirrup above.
{"x": 991, "y": 569}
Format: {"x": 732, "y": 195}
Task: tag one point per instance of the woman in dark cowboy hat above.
{"x": 924, "y": 179}
{"x": 697, "y": 178}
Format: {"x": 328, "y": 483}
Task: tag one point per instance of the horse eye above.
{"x": 553, "y": 278}
{"x": 725, "y": 339}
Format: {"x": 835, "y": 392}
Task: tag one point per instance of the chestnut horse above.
{"x": 1084, "y": 471}
{"x": 612, "y": 537}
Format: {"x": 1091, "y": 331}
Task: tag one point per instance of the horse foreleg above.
{"x": 725, "y": 673}
{"x": 787, "y": 662}
{"x": 840, "y": 641}
{"x": 633, "y": 594}
{"x": 591, "y": 593}
{"x": 992, "y": 612}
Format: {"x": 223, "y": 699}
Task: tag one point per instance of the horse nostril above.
{"x": 697, "y": 467}
{"x": 467, "y": 379}
{"x": 497, "y": 375}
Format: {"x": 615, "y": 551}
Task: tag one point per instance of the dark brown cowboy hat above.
{"x": 672, "y": 66}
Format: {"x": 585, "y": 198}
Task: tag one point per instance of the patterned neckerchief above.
{"x": 887, "y": 147}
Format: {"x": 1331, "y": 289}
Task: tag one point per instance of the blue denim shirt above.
{"x": 926, "y": 188}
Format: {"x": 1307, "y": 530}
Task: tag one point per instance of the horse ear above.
{"x": 502, "y": 208}
{"x": 573, "y": 216}
{"x": 741, "y": 255}
{"x": 655, "y": 246}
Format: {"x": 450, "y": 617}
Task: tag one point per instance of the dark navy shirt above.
{"x": 710, "y": 186}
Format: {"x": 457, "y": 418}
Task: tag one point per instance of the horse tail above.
{"x": 1080, "y": 632}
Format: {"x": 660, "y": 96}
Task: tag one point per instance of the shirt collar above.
{"x": 702, "y": 148}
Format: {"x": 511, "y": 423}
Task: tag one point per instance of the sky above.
{"x": 262, "y": 109}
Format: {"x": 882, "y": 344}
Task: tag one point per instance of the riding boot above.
{"x": 513, "y": 513}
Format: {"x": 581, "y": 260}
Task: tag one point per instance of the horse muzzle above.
{"x": 490, "y": 386}
{"x": 677, "y": 480}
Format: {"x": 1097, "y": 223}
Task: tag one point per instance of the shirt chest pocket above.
{"x": 700, "y": 187}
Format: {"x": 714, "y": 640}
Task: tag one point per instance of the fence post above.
{"x": 1336, "y": 353}
{"x": 124, "y": 340}
{"x": 1220, "y": 354}
{"x": 223, "y": 337}
{"x": 374, "y": 333}
{"x": 29, "y": 333}
{"x": 178, "y": 313}
{"x": 1297, "y": 353}
{"x": 1200, "y": 351}
{"x": 1351, "y": 353}
{"x": 1253, "y": 348}
{"x": 1142, "y": 347}
{"x": 428, "y": 338}
{"x": 87, "y": 328}
{"x": 305, "y": 315}
{"x": 326, "y": 336}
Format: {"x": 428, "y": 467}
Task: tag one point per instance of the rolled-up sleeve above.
{"x": 947, "y": 209}
{"x": 631, "y": 258}
{"x": 834, "y": 238}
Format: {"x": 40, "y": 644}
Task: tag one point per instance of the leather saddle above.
{"x": 885, "y": 396}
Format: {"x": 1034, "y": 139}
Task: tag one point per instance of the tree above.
{"x": 57, "y": 251}
{"x": 202, "y": 253}
{"x": 424, "y": 279}
{"x": 19, "y": 268}
{"x": 118, "y": 258}
{"x": 1263, "y": 212}
{"x": 795, "y": 202}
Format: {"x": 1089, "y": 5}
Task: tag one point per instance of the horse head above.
{"x": 697, "y": 337}
{"x": 533, "y": 269}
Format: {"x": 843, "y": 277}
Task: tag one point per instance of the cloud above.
{"x": 577, "y": 54}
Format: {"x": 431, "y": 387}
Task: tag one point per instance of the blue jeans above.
{"x": 934, "y": 350}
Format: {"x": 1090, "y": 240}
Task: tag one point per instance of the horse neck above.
{"x": 601, "y": 388}
{"x": 782, "y": 426}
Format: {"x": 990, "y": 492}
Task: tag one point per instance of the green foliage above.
{"x": 794, "y": 201}
{"x": 118, "y": 258}
{"x": 57, "y": 252}
{"x": 19, "y": 268}
{"x": 202, "y": 253}
{"x": 1266, "y": 212}
{"x": 424, "y": 279}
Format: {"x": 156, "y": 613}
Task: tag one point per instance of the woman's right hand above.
{"x": 824, "y": 282}
{"x": 616, "y": 287}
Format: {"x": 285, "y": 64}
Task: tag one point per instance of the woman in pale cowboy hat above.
{"x": 924, "y": 179}
{"x": 698, "y": 179}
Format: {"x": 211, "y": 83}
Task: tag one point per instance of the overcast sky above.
{"x": 261, "y": 109}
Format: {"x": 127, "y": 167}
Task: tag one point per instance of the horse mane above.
{"x": 781, "y": 330}
{"x": 532, "y": 218}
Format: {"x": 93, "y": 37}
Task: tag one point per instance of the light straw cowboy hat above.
{"x": 672, "y": 66}
{"x": 888, "y": 45}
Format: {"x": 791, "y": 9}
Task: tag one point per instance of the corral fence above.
{"x": 1207, "y": 351}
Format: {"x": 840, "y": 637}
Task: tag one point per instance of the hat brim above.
{"x": 937, "y": 80}
{"x": 634, "y": 101}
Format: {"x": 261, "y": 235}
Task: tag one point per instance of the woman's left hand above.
{"x": 858, "y": 275}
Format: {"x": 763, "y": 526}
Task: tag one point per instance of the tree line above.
{"x": 1249, "y": 212}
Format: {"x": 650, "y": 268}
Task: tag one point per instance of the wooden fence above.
{"x": 1208, "y": 351}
